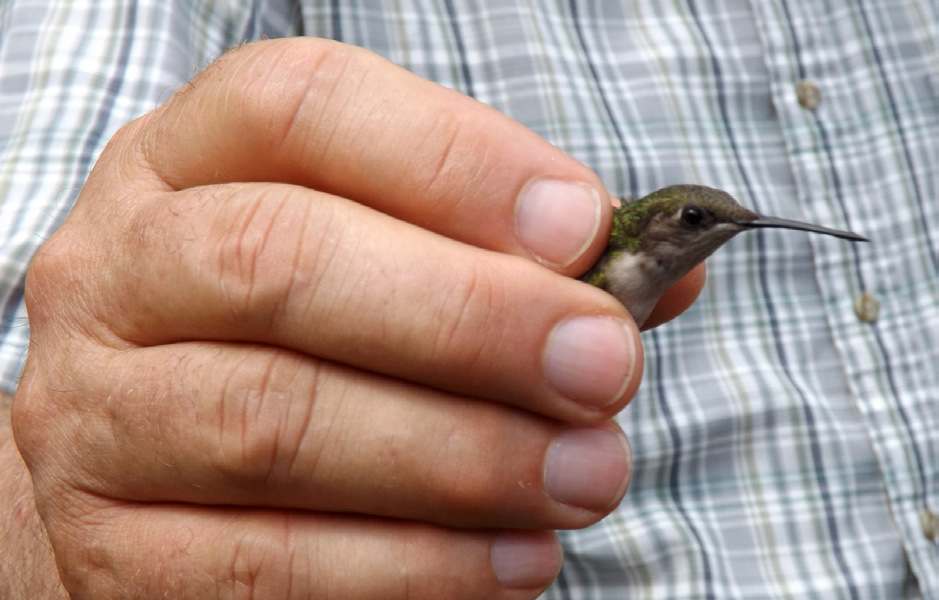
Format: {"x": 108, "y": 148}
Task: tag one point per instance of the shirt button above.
{"x": 866, "y": 307}
{"x": 930, "y": 524}
{"x": 808, "y": 94}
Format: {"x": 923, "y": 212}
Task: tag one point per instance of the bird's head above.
{"x": 681, "y": 225}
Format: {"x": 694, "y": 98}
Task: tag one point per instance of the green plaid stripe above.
{"x": 783, "y": 447}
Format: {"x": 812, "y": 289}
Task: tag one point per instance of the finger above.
{"x": 678, "y": 298}
{"x": 175, "y": 551}
{"x": 251, "y": 426}
{"x": 291, "y": 267}
{"x": 343, "y": 120}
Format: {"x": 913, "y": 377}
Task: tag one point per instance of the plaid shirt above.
{"x": 786, "y": 436}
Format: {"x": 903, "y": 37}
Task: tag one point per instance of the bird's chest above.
{"x": 638, "y": 281}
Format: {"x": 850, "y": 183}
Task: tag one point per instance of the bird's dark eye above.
{"x": 693, "y": 216}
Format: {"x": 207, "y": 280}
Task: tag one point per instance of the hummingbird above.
{"x": 657, "y": 239}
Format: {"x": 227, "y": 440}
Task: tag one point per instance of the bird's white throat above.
{"x": 638, "y": 281}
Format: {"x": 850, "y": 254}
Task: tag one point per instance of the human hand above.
{"x": 294, "y": 341}
{"x": 28, "y": 567}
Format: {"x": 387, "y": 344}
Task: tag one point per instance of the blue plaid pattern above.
{"x": 784, "y": 447}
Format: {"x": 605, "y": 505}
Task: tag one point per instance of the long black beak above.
{"x": 774, "y": 222}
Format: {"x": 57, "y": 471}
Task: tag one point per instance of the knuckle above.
{"x": 126, "y": 137}
{"x": 273, "y": 82}
{"x": 57, "y": 295}
{"x": 50, "y": 420}
{"x": 126, "y": 155}
{"x": 81, "y": 533}
{"x": 148, "y": 229}
{"x": 451, "y": 151}
{"x": 318, "y": 68}
{"x": 258, "y": 566}
{"x": 48, "y": 272}
{"x": 29, "y": 419}
{"x": 469, "y": 318}
{"x": 269, "y": 251}
{"x": 264, "y": 421}
{"x": 253, "y": 247}
{"x": 243, "y": 240}
{"x": 244, "y": 567}
{"x": 63, "y": 303}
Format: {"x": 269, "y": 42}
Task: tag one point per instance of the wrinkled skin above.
{"x": 289, "y": 345}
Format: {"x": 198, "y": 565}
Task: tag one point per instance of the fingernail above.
{"x": 588, "y": 468}
{"x": 591, "y": 359}
{"x": 556, "y": 220}
{"x": 525, "y": 559}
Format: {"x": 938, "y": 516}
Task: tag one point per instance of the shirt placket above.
{"x": 825, "y": 93}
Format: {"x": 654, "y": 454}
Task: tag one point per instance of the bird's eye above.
{"x": 692, "y": 215}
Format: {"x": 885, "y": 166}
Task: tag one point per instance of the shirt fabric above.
{"x": 784, "y": 447}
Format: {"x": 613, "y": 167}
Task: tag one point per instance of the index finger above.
{"x": 342, "y": 120}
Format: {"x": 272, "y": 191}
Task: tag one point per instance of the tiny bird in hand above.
{"x": 660, "y": 237}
